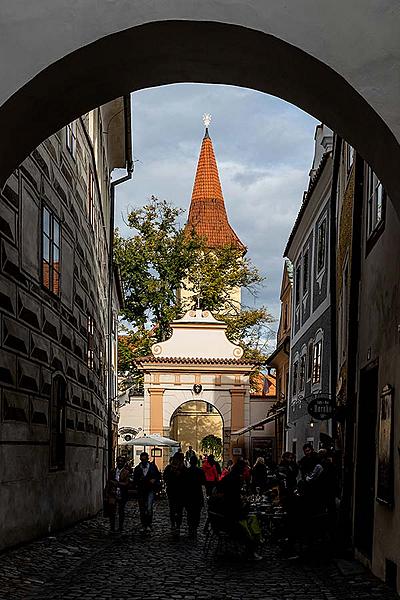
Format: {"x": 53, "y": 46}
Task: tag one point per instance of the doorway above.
{"x": 366, "y": 461}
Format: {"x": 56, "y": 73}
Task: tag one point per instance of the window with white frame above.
{"x": 70, "y": 138}
{"x": 376, "y": 197}
{"x": 310, "y": 359}
{"x": 321, "y": 245}
{"x": 317, "y": 359}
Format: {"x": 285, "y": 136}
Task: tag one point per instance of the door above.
{"x": 366, "y": 461}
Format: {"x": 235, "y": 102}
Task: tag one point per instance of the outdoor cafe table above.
{"x": 270, "y": 517}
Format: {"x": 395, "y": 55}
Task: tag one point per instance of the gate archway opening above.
{"x": 192, "y": 421}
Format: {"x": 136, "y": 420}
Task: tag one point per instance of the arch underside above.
{"x": 185, "y": 51}
{"x": 220, "y": 401}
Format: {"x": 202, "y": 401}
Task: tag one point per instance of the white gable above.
{"x": 197, "y": 335}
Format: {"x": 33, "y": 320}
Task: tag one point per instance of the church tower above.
{"x": 207, "y": 212}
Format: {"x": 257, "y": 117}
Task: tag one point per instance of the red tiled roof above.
{"x": 207, "y": 213}
{"x": 183, "y": 360}
{"x": 263, "y": 386}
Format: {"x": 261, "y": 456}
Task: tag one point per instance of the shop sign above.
{"x": 320, "y": 408}
{"x": 237, "y": 451}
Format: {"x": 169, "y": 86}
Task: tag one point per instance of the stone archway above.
{"x": 90, "y": 73}
{"x": 192, "y": 421}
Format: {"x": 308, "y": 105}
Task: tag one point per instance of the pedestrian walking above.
{"x": 328, "y": 486}
{"x": 146, "y": 479}
{"x": 288, "y": 471}
{"x": 259, "y": 476}
{"x": 116, "y": 493}
{"x": 194, "y": 497}
{"x": 175, "y": 485}
{"x": 210, "y": 473}
{"x": 188, "y": 455}
{"x": 310, "y": 485}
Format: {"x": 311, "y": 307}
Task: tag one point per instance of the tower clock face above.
{"x": 197, "y": 388}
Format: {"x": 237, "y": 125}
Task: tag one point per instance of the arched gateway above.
{"x": 198, "y": 362}
{"x": 193, "y": 421}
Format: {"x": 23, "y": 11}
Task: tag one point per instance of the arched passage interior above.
{"x": 186, "y": 51}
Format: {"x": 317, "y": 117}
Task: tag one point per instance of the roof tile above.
{"x": 207, "y": 213}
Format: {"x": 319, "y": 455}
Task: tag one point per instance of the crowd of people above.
{"x": 302, "y": 489}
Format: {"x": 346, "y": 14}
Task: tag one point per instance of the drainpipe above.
{"x": 332, "y": 275}
{"x": 129, "y": 168}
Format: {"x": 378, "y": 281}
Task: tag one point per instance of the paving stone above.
{"x": 86, "y": 562}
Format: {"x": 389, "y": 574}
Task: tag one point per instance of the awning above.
{"x": 268, "y": 419}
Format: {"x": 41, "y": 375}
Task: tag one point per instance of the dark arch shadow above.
{"x": 184, "y": 51}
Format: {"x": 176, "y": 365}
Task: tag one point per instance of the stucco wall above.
{"x": 379, "y": 339}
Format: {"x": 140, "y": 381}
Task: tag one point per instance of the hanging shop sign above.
{"x": 320, "y": 408}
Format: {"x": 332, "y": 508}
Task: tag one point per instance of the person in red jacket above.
{"x": 211, "y": 474}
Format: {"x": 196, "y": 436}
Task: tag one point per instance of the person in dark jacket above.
{"x": 287, "y": 473}
{"x": 116, "y": 493}
{"x": 229, "y": 504}
{"x": 194, "y": 497}
{"x": 328, "y": 483}
{"x": 259, "y": 476}
{"x": 146, "y": 479}
{"x": 310, "y": 484}
{"x": 174, "y": 478}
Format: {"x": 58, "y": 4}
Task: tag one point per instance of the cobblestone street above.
{"x": 86, "y": 561}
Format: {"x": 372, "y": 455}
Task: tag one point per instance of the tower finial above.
{"x": 206, "y": 120}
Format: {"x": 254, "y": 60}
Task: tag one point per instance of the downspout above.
{"x": 129, "y": 168}
{"x": 332, "y": 275}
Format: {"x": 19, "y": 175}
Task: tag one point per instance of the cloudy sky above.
{"x": 263, "y": 146}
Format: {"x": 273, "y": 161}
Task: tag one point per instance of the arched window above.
{"x": 57, "y": 423}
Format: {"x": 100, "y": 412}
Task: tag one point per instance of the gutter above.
{"x": 127, "y": 177}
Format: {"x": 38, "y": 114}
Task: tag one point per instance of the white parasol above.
{"x": 151, "y": 440}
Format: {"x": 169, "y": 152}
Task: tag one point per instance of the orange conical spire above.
{"x": 207, "y": 213}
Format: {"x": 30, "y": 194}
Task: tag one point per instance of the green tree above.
{"x": 212, "y": 444}
{"x": 159, "y": 258}
{"x": 153, "y": 263}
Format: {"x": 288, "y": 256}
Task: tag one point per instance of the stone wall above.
{"x": 45, "y": 334}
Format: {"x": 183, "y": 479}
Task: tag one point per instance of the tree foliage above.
{"x": 212, "y": 444}
{"x": 160, "y": 258}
